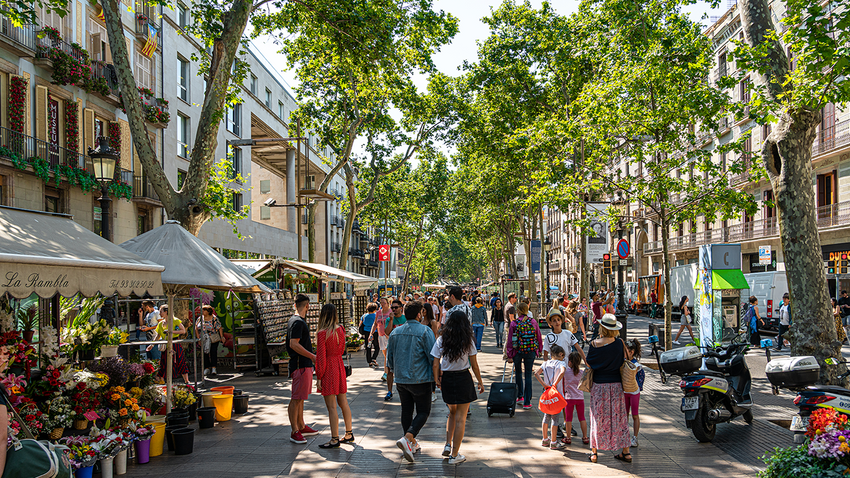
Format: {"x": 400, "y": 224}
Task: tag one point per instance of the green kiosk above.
{"x": 718, "y": 285}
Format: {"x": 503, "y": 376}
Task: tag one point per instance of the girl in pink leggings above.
{"x": 574, "y": 397}
{"x": 633, "y": 398}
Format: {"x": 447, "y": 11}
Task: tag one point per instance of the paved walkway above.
{"x": 257, "y": 444}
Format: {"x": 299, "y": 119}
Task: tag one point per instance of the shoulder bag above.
{"x": 347, "y": 364}
{"x": 586, "y": 382}
{"x": 30, "y": 458}
{"x": 628, "y": 373}
{"x": 215, "y": 337}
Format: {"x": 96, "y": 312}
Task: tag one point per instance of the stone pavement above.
{"x": 257, "y": 444}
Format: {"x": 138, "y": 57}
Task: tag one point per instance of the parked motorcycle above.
{"x": 799, "y": 374}
{"x": 717, "y": 393}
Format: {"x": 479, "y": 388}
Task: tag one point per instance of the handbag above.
{"x": 347, "y": 364}
{"x": 628, "y": 373}
{"x": 30, "y": 458}
{"x": 551, "y": 400}
{"x": 586, "y": 380}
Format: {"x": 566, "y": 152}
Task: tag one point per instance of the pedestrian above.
{"x": 479, "y": 321}
{"x": 178, "y": 365}
{"x": 367, "y": 322}
{"x": 582, "y": 312}
{"x": 553, "y": 375}
{"x": 633, "y": 398}
{"x": 454, "y": 353}
{"x": 494, "y": 297}
{"x": 397, "y": 319}
{"x": 497, "y": 317}
{"x": 331, "y": 380}
{"x": 456, "y": 303}
{"x": 510, "y": 308}
{"x": 754, "y": 320}
{"x": 379, "y": 328}
{"x": 151, "y": 320}
{"x": 839, "y": 329}
{"x": 301, "y": 358}
{"x": 210, "y": 327}
{"x": 596, "y": 307}
{"x": 844, "y": 310}
{"x": 685, "y": 319}
{"x": 653, "y": 299}
{"x": 409, "y": 357}
{"x": 609, "y": 425}
{"x": 522, "y": 347}
{"x": 574, "y": 396}
{"x": 559, "y": 335}
{"x": 784, "y": 320}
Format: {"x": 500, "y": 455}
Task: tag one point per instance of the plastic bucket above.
{"x": 84, "y": 472}
{"x": 181, "y": 420}
{"x": 121, "y": 462}
{"x": 168, "y": 435}
{"x": 237, "y": 392}
{"x": 223, "y": 407}
{"x": 155, "y": 419}
{"x": 157, "y": 439}
{"x": 106, "y": 467}
{"x": 206, "y": 417}
{"x": 240, "y": 404}
{"x": 184, "y": 441}
{"x": 143, "y": 451}
{"x": 226, "y": 389}
{"x": 207, "y": 398}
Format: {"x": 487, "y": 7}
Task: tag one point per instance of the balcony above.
{"x": 831, "y": 138}
{"x": 48, "y": 50}
{"x": 105, "y": 81}
{"x": 834, "y": 215}
{"x": 143, "y": 24}
{"x": 336, "y": 247}
{"x": 27, "y": 150}
{"x": 355, "y": 252}
{"x": 21, "y": 40}
{"x": 143, "y": 191}
{"x": 372, "y": 264}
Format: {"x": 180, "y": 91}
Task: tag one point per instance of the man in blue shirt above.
{"x": 409, "y": 358}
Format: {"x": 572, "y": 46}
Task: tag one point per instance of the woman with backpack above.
{"x": 524, "y": 344}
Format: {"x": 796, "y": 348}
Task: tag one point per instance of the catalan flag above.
{"x": 150, "y": 43}
{"x": 100, "y": 13}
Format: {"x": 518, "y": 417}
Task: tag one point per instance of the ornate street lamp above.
{"x": 104, "y": 158}
{"x": 547, "y": 246}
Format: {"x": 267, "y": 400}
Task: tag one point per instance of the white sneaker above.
{"x": 634, "y": 442}
{"x": 433, "y": 396}
{"x": 447, "y": 450}
{"x": 214, "y": 372}
{"x": 417, "y": 447}
{"x": 676, "y": 342}
{"x": 206, "y": 372}
{"x": 456, "y": 460}
{"x": 404, "y": 445}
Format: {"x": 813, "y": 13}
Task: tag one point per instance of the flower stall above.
{"x": 825, "y": 453}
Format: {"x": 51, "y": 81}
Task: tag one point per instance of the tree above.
{"x": 354, "y": 62}
{"x": 790, "y": 100}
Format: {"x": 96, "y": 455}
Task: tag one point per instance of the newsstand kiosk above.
{"x": 719, "y": 280}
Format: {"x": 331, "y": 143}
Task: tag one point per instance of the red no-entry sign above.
{"x": 384, "y": 253}
{"x": 623, "y": 249}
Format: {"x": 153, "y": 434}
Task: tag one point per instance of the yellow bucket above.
{"x": 155, "y": 419}
{"x": 207, "y": 397}
{"x": 223, "y": 407}
{"x": 158, "y": 439}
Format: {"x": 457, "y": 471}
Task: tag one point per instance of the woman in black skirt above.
{"x": 454, "y": 352}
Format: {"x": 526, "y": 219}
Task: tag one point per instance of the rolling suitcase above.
{"x": 503, "y": 394}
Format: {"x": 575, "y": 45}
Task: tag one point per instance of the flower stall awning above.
{"x": 329, "y": 273}
{"x": 189, "y": 261}
{"x": 50, "y": 253}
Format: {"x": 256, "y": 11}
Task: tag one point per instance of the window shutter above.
{"x": 88, "y": 129}
{"x": 126, "y": 145}
{"x": 41, "y": 112}
{"x": 94, "y": 46}
{"x": 80, "y": 143}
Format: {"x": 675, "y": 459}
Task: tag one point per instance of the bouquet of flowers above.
{"x": 33, "y": 418}
{"x": 108, "y": 442}
{"x": 80, "y": 451}
{"x": 15, "y": 387}
{"x": 151, "y": 398}
{"x": 53, "y": 381}
{"x": 182, "y": 397}
{"x": 86, "y": 400}
{"x": 87, "y": 336}
{"x": 116, "y": 337}
{"x": 115, "y": 368}
{"x": 122, "y": 406}
{"x": 60, "y": 413}
{"x": 19, "y": 351}
{"x": 144, "y": 432}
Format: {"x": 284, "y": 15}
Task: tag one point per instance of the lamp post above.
{"x": 547, "y": 246}
{"x": 104, "y": 158}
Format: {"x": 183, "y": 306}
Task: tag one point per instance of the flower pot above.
{"x": 168, "y": 435}
{"x": 106, "y": 467}
{"x": 81, "y": 424}
{"x": 206, "y": 417}
{"x": 107, "y": 351}
{"x": 121, "y": 462}
{"x": 240, "y": 404}
{"x": 227, "y": 390}
{"x": 184, "y": 441}
{"x": 57, "y": 433}
{"x": 28, "y": 335}
{"x": 223, "y": 407}
{"x": 157, "y": 440}
{"x": 84, "y": 472}
{"x": 143, "y": 450}
{"x": 207, "y": 398}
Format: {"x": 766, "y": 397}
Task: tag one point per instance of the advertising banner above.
{"x": 596, "y": 242}
{"x": 705, "y": 297}
{"x": 535, "y": 257}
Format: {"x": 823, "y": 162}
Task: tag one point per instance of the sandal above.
{"x": 594, "y": 457}
{"x": 585, "y": 440}
{"x": 334, "y": 443}
{"x": 627, "y": 457}
{"x": 346, "y": 439}
{"x": 568, "y": 440}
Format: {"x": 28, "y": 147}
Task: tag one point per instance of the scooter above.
{"x": 717, "y": 393}
{"x": 799, "y": 374}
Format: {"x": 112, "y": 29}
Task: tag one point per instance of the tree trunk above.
{"x": 311, "y": 232}
{"x": 668, "y": 305}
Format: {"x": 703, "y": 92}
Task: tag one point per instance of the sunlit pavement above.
{"x": 257, "y": 444}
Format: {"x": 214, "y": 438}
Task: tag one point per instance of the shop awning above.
{"x": 47, "y": 254}
{"x": 329, "y": 273}
{"x": 724, "y": 279}
{"x": 253, "y": 266}
{"x": 433, "y": 286}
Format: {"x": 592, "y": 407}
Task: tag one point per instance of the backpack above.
{"x": 525, "y": 336}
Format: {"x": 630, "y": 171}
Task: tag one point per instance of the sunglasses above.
{"x": 394, "y": 307}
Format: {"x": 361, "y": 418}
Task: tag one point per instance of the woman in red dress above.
{"x": 330, "y": 373}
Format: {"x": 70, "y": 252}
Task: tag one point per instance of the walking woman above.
{"x": 609, "y": 423}
{"x": 479, "y": 321}
{"x": 367, "y": 321}
{"x": 685, "y": 319}
{"x": 497, "y": 316}
{"x": 330, "y": 373}
{"x": 454, "y": 352}
{"x": 523, "y": 346}
{"x": 839, "y": 328}
{"x": 210, "y": 327}
{"x": 754, "y": 321}
{"x": 179, "y": 366}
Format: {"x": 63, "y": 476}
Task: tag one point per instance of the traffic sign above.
{"x": 623, "y": 249}
{"x": 384, "y": 252}
{"x": 624, "y": 262}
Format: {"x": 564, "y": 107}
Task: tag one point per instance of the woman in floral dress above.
{"x": 330, "y": 373}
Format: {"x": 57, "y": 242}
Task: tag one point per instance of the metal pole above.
{"x": 169, "y": 353}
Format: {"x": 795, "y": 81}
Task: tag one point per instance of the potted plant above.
{"x": 182, "y": 398}
{"x": 143, "y": 442}
{"x": 81, "y": 455}
{"x": 353, "y": 341}
{"x": 60, "y": 415}
{"x": 28, "y": 318}
{"x": 115, "y": 338}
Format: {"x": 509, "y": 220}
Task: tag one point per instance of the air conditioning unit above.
{"x": 310, "y": 183}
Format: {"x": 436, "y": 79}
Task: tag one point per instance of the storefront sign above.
{"x": 98, "y": 214}
{"x": 21, "y": 280}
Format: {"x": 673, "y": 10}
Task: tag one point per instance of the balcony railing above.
{"x": 101, "y": 69}
{"x": 355, "y": 252}
{"x": 46, "y": 45}
{"x": 142, "y": 188}
{"x": 831, "y": 138}
{"x": 23, "y": 36}
{"x": 753, "y": 230}
{"x": 28, "y": 148}
{"x": 142, "y": 24}
{"x": 126, "y": 176}
{"x": 834, "y": 214}
{"x": 335, "y": 247}
{"x": 372, "y": 264}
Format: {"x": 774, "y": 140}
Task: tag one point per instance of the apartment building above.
{"x": 55, "y": 115}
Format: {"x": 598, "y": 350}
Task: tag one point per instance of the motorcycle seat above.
{"x": 713, "y": 373}
{"x": 829, "y": 388}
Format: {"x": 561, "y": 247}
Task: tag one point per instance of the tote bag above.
{"x": 628, "y": 373}
{"x": 551, "y": 400}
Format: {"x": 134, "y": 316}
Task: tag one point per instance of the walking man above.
{"x": 151, "y": 320}
{"x": 457, "y": 303}
{"x": 409, "y": 359}
{"x": 510, "y": 308}
{"x": 398, "y": 319}
{"x": 301, "y": 358}
{"x": 784, "y": 320}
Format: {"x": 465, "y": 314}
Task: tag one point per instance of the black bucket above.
{"x": 169, "y": 430}
{"x": 240, "y": 403}
{"x": 193, "y": 410}
{"x": 206, "y": 417}
{"x": 182, "y": 421}
{"x": 184, "y": 441}
{"x": 236, "y": 391}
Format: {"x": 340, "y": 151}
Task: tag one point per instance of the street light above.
{"x": 104, "y": 158}
{"x": 547, "y": 246}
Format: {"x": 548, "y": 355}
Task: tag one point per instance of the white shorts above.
{"x": 382, "y": 341}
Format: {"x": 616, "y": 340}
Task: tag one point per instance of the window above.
{"x": 280, "y": 109}
{"x": 181, "y": 178}
{"x": 253, "y": 85}
{"x": 233, "y": 118}
{"x": 236, "y": 201}
{"x": 144, "y": 71}
{"x": 183, "y": 136}
{"x": 183, "y": 86}
{"x": 235, "y": 162}
{"x": 142, "y": 224}
{"x": 265, "y": 186}
{"x": 721, "y": 64}
{"x": 51, "y": 200}
{"x": 745, "y": 90}
{"x": 98, "y": 43}
{"x": 54, "y": 20}
{"x": 265, "y": 213}
{"x": 268, "y": 98}
{"x": 182, "y": 16}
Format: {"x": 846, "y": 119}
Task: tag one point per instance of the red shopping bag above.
{"x": 551, "y": 401}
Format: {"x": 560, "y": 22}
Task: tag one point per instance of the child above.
{"x": 633, "y": 398}
{"x": 554, "y": 374}
{"x": 559, "y": 336}
{"x": 574, "y": 396}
